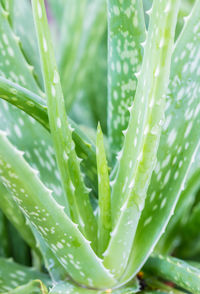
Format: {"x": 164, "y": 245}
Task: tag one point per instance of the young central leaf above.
{"x": 77, "y": 194}
{"x": 138, "y": 156}
{"x": 126, "y": 31}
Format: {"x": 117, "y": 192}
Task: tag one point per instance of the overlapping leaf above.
{"x": 13, "y": 275}
{"x": 138, "y": 156}
{"x": 77, "y": 196}
{"x": 126, "y": 32}
{"x": 178, "y": 146}
{"x": 69, "y": 246}
{"x": 175, "y": 270}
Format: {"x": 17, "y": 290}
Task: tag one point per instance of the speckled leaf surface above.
{"x": 33, "y": 287}
{"x": 24, "y": 132}
{"x": 13, "y": 275}
{"x": 178, "y": 146}
{"x": 126, "y": 32}
{"x": 62, "y": 235}
{"x": 77, "y": 194}
{"x": 138, "y": 156}
{"x": 23, "y": 26}
{"x": 80, "y": 55}
{"x": 175, "y": 270}
{"x": 13, "y": 65}
{"x": 69, "y": 288}
{"x": 15, "y": 216}
{"x": 36, "y": 107}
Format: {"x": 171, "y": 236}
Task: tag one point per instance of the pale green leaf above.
{"x": 69, "y": 246}
{"x": 126, "y": 32}
{"x": 138, "y": 156}
{"x": 104, "y": 214}
{"x": 33, "y": 287}
{"x": 77, "y": 195}
{"x": 178, "y": 146}
{"x": 13, "y": 64}
{"x": 15, "y": 216}
{"x": 13, "y": 275}
{"x": 175, "y": 270}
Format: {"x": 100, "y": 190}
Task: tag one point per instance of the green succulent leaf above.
{"x": 104, "y": 217}
{"x": 126, "y": 32}
{"x": 36, "y": 107}
{"x": 175, "y": 270}
{"x": 69, "y": 288}
{"x": 176, "y": 229}
{"x": 13, "y": 64}
{"x": 179, "y": 143}
{"x": 138, "y": 156}
{"x": 80, "y": 40}
{"x": 13, "y": 275}
{"x": 15, "y": 216}
{"x": 80, "y": 208}
{"x": 23, "y": 26}
{"x": 33, "y": 287}
{"x": 69, "y": 246}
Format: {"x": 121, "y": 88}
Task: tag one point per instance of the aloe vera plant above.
{"x": 99, "y": 211}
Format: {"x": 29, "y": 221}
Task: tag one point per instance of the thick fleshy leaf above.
{"x": 69, "y": 246}
{"x": 175, "y": 229}
{"x": 178, "y": 146}
{"x": 13, "y": 65}
{"x": 24, "y": 132}
{"x": 126, "y": 32}
{"x": 15, "y": 216}
{"x": 23, "y": 26}
{"x": 33, "y": 287}
{"x": 13, "y": 275}
{"x": 77, "y": 195}
{"x": 36, "y": 107}
{"x": 175, "y": 270}
{"x": 69, "y": 288}
{"x": 138, "y": 157}
{"x": 80, "y": 39}
{"x": 104, "y": 214}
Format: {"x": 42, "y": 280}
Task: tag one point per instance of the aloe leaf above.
{"x": 76, "y": 192}
{"x": 56, "y": 271}
{"x": 25, "y": 100}
{"x": 13, "y": 275}
{"x": 23, "y": 26}
{"x": 69, "y": 246}
{"x": 33, "y": 287}
{"x": 138, "y": 156}
{"x": 175, "y": 229}
{"x": 178, "y": 146}
{"x": 175, "y": 270}
{"x": 69, "y": 288}
{"x": 15, "y": 216}
{"x": 126, "y": 32}
{"x": 13, "y": 65}
{"x": 104, "y": 217}
{"x": 36, "y": 107}
{"x": 89, "y": 29}
{"x": 71, "y": 30}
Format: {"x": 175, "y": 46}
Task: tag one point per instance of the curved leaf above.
{"x": 62, "y": 236}
{"x": 138, "y": 156}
